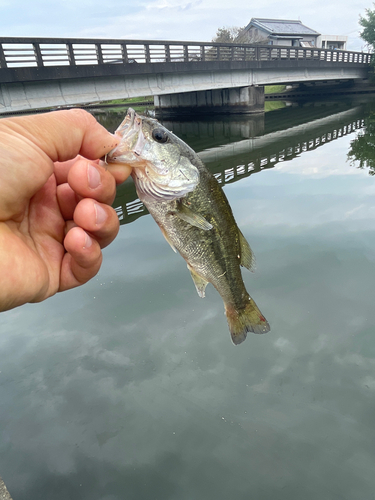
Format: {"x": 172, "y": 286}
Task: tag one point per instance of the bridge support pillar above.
{"x": 216, "y": 101}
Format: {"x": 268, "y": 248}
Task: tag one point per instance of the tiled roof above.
{"x": 282, "y": 27}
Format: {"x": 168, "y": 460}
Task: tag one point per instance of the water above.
{"x": 130, "y": 388}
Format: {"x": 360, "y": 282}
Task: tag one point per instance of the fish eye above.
{"x": 159, "y": 135}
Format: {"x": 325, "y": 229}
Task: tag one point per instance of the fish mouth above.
{"x": 132, "y": 121}
{"x": 132, "y": 140}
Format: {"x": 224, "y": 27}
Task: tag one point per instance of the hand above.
{"x": 55, "y": 213}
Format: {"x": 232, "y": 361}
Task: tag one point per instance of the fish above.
{"x": 193, "y": 213}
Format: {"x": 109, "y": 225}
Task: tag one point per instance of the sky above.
{"x": 185, "y": 20}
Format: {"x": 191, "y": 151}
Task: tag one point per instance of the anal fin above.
{"x": 199, "y": 282}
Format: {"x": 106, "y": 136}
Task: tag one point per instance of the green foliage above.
{"x": 368, "y": 24}
{"x": 362, "y": 148}
{"x": 274, "y": 89}
{"x": 273, "y": 105}
{"x": 129, "y": 100}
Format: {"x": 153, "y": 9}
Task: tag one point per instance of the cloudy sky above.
{"x": 195, "y": 20}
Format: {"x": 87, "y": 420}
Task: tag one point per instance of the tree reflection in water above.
{"x": 362, "y": 149}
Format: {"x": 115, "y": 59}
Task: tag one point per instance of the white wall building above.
{"x": 332, "y": 42}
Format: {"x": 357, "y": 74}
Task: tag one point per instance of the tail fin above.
{"x": 248, "y": 319}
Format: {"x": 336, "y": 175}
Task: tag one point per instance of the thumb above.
{"x": 31, "y": 145}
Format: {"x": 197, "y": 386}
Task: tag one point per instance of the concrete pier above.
{"x": 242, "y": 100}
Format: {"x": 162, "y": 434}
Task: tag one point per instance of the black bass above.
{"x": 193, "y": 213}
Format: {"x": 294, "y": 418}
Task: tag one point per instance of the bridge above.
{"x": 49, "y": 72}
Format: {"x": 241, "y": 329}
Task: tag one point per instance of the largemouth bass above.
{"x": 193, "y": 214}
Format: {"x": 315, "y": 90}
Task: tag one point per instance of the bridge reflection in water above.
{"x": 237, "y": 157}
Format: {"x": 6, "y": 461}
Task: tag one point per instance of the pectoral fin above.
{"x": 199, "y": 282}
{"x": 247, "y": 256}
{"x": 187, "y": 215}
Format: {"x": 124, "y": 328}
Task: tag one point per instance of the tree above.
{"x": 235, "y": 34}
{"x": 227, "y": 34}
{"x": 368, "y": 25}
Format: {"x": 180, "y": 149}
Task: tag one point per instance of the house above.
{"x": 278, "y": 32}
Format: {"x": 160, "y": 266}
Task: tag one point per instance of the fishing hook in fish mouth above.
{"x": 187, "y": 178}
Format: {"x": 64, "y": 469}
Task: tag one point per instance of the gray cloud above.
{"x": 170, "y": 19}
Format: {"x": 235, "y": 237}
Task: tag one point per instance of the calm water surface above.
{"x": 130, "y": 388}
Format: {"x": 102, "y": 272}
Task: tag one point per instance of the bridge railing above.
{"x": 32, "y": 52}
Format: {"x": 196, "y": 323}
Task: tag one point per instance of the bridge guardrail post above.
{"x": 147, "y": 53}
{"x": 124, "y": 53}
{"x": 186, "y": 53}
{"x": 257, "y": 53}
{"x": 99, "y": 53}
{"x": 38, "y": 54}
{"x": 3, "y": 62}
{"x": 70, "y": 51}
{"x": 167, "y": 50}
{"x": 203, "y": 53}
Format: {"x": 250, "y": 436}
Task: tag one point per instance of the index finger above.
{"x": 64, "y": 134}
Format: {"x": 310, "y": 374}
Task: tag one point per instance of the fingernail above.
{"x": 101, "y": 214}
{"x": 93, "y": 176}
{"x": 88, "y": 242}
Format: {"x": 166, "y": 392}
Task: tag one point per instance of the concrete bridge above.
{"x": 214, "y": 77}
